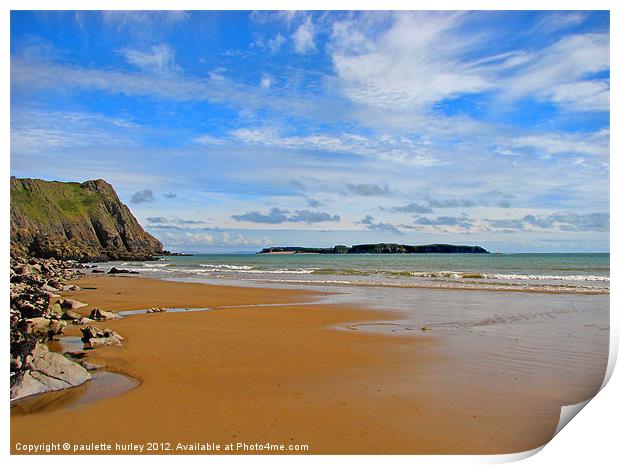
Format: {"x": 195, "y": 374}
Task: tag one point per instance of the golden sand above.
{"x": 281, "y": 375}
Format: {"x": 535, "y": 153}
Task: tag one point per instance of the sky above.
{"x": 233, "y": 131}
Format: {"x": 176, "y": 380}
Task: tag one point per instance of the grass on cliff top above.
{"x": 68, "y": 199}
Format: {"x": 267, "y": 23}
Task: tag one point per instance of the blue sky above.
{"x": 231, "y": 131}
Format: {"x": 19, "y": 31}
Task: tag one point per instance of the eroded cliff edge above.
{"x": 73, "y": 221}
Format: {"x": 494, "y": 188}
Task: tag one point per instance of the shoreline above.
{"x": 280, "y": 374}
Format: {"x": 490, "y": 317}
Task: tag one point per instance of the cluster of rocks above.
{"x": 156, "y": 310}
{"x": 37, "y": 317}
{"x": 77, "y": 319}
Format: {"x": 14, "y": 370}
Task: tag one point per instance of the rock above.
{"x": 71, "y": 315}
{"x": 91, "y": 366}
{"x": 47, "y": 371}
{"x": 72, "y": 304}
{"x": 82, "y": 321}
{"x": 101, "y": 315}
{"x": 97, "y": 271}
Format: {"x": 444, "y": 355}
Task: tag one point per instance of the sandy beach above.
{"x": 284, "y": 375}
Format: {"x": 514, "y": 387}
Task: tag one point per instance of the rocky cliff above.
{"x": 73, "y": 221}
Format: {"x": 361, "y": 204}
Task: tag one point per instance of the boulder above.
{"x": 44, "y": 328}
{"x": 47, "y": 371}
{"x": 71, "y": 287}
{"x": 100, "y": 315}
{"x": 97, "y": 271}
{"x": 55, "y": 309}
{"x": 50, "y": 289}
{"x": 96, "y": 337}
{"x": 104, "y": 341}
{"x": 72, "y": 304}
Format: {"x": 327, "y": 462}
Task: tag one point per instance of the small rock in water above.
{"x": 424, "y": 328}
{"x": 156, "y": 310}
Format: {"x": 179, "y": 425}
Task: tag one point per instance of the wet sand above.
{"x": 284, "y": 375}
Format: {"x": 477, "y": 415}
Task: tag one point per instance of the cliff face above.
{"x": 69, "y": 220}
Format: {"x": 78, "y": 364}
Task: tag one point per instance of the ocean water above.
{"x": 562, "y": 273}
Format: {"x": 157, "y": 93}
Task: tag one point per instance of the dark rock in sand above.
{"x": 115, "y": 270}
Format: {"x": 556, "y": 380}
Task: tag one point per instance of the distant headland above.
{"x": 377, "y": 249}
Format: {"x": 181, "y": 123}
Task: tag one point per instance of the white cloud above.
{"x": 589, "y": 144}
{"x": 379, "y": 147}
{"x": 276, "y": 42}
{"x": 411, "y": 61}
{"x": 265, "y": 82}
{"x": 303, "y": 37}
{"x": 196, "y": 240}
{"x": 33, "y": 130}
{"x": 414, "y": 62}
{"x": 28, "y": 75}
{"x": 136, "y": 20}
{"x": 209, "y": 140}
{"x": 581, "y": 95}
{"x": 560, "y": 73}
{"x": 159, "y": 59}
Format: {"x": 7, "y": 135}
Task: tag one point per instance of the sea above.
{"x": 549, "y": 273}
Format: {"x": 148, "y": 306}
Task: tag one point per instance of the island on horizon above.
{"x": 380, "y": 248}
